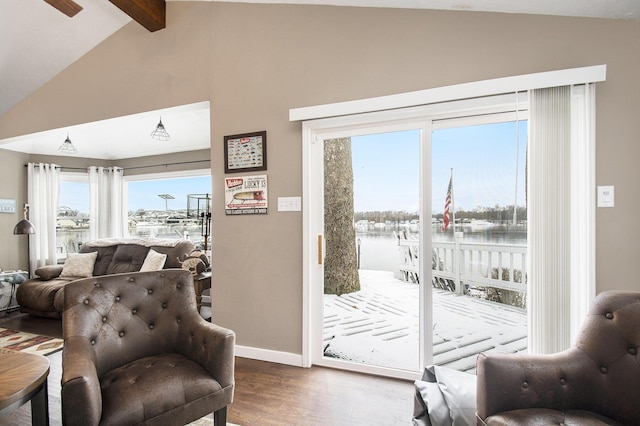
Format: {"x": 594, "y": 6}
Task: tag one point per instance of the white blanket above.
{"x": 149, "y": 242}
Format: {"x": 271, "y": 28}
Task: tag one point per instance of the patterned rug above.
{"x": 27, "y": 342}
{"x": 207, "y": 421}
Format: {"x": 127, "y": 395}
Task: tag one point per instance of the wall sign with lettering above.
{"x": 246, "y": 195}
{"x": 7, "y": 205}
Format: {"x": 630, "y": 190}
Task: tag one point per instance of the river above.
{"x": 378, "y": 248}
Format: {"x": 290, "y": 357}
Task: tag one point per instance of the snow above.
{"x": 379, "y": 325}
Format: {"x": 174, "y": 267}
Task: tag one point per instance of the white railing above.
{"x": 459, "y": 266}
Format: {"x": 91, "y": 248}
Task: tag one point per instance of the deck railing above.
{"x": 459, "y": 266}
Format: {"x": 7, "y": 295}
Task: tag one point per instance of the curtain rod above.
{"x": 137, "y": 167}
{"x": 168, "y": 164}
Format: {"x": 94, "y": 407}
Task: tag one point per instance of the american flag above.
{"x": 447, "y": 205}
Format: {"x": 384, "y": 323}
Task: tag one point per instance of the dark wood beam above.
{"x": 68, "y": 7}
{"x": 151, "y": 14}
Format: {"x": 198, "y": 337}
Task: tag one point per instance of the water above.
{"x": 70, "y": 240}
{"x": 379, "y": 248}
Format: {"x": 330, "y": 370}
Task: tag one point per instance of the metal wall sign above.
{"x": 246, "y": 195}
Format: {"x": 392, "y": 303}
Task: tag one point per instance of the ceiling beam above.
{"x": 151, "y": 14}
{"x": 68, "y": 7}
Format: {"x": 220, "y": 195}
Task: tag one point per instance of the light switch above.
{"x": 289, "y": 204}
{"x": 606, "y": 196}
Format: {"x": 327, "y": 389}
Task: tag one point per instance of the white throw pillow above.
{"x": 79, "y": 264}
{"x": 436, "y": 404}
{"x": 154, "y": 261}
{"x": 459, "y": 390}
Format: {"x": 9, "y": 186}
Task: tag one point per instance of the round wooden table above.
{"x": 23, "y": 377}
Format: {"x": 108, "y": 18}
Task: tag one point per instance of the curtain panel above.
{"x": 43, "y": 193}
{"x": 107, "y": 216}
{"x": 561, "y": 210}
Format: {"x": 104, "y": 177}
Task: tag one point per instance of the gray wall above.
{"x": 13, "y": 185}
{"x": 255, "y": 62}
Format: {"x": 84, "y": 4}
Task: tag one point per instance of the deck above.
{"x": 378, "y": 325}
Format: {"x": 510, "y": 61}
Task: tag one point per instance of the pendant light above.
{"x": 160, "y": 133}
{"x": 67, "y": 147}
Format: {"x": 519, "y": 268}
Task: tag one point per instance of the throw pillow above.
{"x": 154, "y": 261}
{"x": 459, "y": 391}
{"x": 201, "y": 255}
{"x": 49, "y": 272}
{"x": 437, "y": 409}
{"x": 194, "y": 264}
{"x": 79, "y": 264}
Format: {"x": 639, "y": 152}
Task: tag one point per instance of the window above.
{"x": 326, "y": 121}
{"x": 170, "y": 206}
{"x": 72, "y": 226}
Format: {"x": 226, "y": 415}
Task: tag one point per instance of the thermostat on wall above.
{"x": 606, "y": 196}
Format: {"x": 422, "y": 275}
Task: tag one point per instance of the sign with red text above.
{"x": 246, "y": 195}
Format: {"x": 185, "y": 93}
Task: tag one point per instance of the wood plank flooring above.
{"x": 271, "y": 394}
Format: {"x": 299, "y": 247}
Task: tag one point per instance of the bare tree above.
{"x": 341, "y": 261}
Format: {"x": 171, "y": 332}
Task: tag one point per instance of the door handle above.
{"x": 319, "y": 249}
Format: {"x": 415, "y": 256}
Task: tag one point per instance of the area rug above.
{"x": 28, "y": 342}
{"x": 207, "y": 421}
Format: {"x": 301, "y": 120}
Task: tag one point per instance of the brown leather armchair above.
{"x": 136, "y": 351}
{"x": 595, "y": 382}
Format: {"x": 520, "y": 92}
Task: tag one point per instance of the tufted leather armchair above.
{"x": 595, "y": 382}
{"x": 136, "y": 351}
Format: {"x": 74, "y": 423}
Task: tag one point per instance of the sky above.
{"x": 483, "y": 158}
{"x": 386, "y": 172}
{"x": 145, "y": 194}
{"x": 141, "y": 194}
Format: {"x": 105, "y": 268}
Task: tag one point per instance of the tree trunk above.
{"x": 341, "y": 260}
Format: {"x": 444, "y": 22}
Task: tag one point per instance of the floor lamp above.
{"x": 25, "y": 227}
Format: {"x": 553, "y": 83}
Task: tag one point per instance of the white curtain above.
{"x": 561, "y": 214}
{"x": 107, "y": 216}
{"x": 43, "y": 197}
{"x": 583, "y": 203}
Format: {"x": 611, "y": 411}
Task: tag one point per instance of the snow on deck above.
{"x": 379, "y": 325}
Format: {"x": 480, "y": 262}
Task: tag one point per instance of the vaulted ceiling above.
{"x": 38, "y": 41}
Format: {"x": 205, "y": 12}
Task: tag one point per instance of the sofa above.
{"x": 595, "y": 382}
{"x": 44, "y": 295}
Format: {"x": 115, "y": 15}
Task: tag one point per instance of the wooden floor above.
{"x": 273, "y": 394}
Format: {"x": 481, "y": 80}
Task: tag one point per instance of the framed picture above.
{"x": 246, "y": 152}
{"x": 7, "y": 205}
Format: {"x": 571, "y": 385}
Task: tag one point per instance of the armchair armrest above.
{"x": 81, "y": 396}
{"x": 211, "y": 346}
{"x": 508, "y": 382}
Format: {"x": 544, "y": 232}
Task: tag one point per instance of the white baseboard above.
{"x": 259, "y": 354}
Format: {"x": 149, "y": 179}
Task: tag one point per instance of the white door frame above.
{"x": 313, "y": 207}
{"x": 401, "y": 107}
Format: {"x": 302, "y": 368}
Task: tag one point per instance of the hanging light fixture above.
{"x": 67, "y": 147}
{"x": 160, "y": 133}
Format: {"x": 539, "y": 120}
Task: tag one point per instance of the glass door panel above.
{"x": 479, "y": 248}
{"x": 371, "y": 305}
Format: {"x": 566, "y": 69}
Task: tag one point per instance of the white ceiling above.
{"x": 38, "y": 42}
{"x": 125, "y": 137}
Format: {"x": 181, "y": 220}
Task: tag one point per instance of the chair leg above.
{"x": 220, "y": 417}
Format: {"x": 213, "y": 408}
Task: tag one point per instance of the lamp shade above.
{"x": 24, "y": 227}
{"x": 160, "y": 133}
